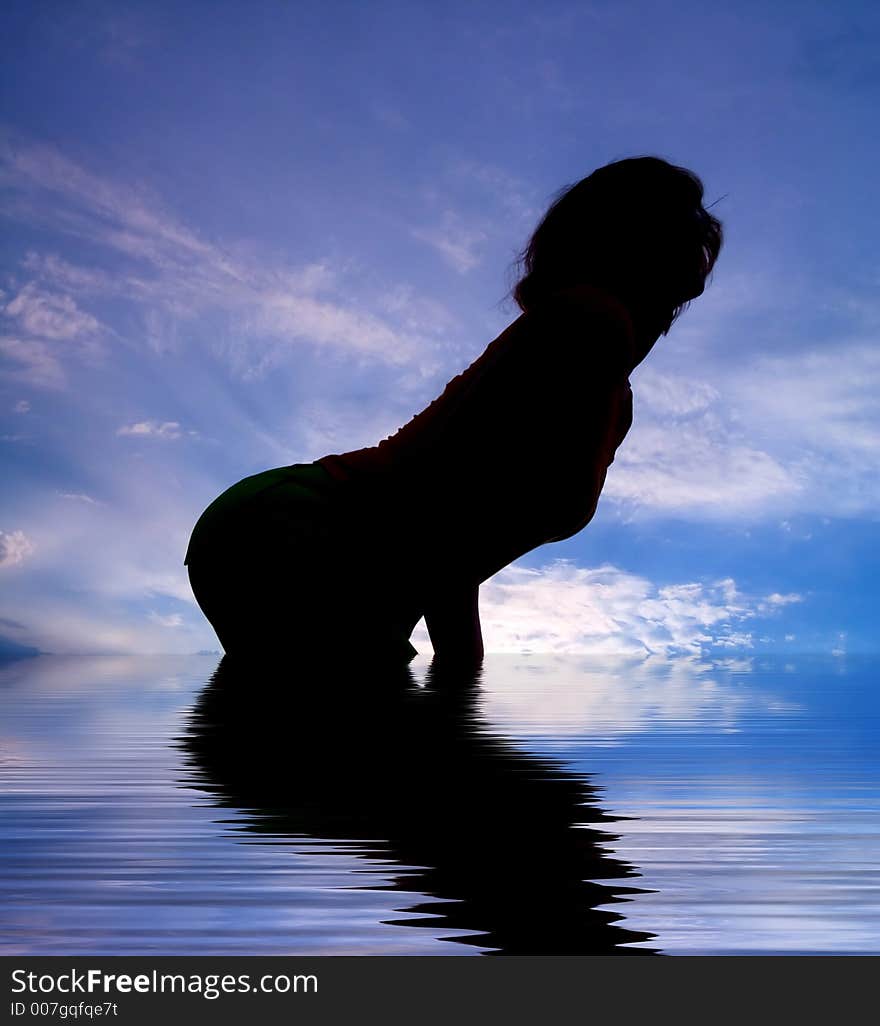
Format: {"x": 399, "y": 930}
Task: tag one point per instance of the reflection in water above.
{"x": 505, "y": 844}
{"x": 750, "y": 791}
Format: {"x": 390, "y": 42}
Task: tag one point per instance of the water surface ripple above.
{"x": 570, "y": 805}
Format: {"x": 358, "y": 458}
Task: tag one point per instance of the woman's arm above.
{"x": 453, "y": 619}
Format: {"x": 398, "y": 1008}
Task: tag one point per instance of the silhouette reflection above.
{"x": 411, "y": 774}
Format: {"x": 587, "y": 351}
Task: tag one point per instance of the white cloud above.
{"x": 50, "y": 315}
{"x": 698, "y": 471}
{"x": 675, "y": 396}
{"x": 22, "y": 406}
{"x": 825, "y": 397}
{"x": 49, "y": 326}
{"x": 776, "y": 601}
{"x": 15, "y": 547}
{"x": 736, "y": 640}
{"x": 819, "y": 409}
{"x": 685, "y": 457}
{"x": 776, "y": 436}
{"x": 565, "y": 608}
{"x": 168, "y": 429}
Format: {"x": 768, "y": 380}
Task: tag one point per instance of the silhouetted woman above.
{"x": 344, "y": 556}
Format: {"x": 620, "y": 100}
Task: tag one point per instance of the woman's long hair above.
{"x": 636, "y": 227}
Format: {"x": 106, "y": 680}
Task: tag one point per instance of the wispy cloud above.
{"x": 458, "y": 243}
{"x": 45, "y": 328}
{"x": 49, "y": 315}
{"x": 31, "y": 362}
{"x": 164, "y": 264}
{"x": 777, "y": 601}
{"x": 79, "y": 497}
{"x": 699, "y": 471}
{"x": 170, "y": 620}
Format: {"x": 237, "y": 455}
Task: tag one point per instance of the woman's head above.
{"x": 636, "y": 228}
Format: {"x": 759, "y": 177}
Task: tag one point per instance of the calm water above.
{"x": 556, "y": 805}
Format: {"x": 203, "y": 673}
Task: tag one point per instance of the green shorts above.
{"x": 286, "y": 558}
{"x": 296, "y": 494}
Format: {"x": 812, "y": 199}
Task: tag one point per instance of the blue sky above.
{"x": 243, "y": 235}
